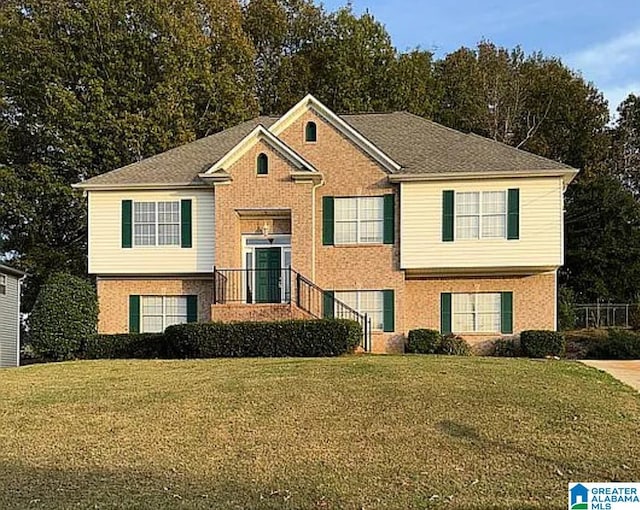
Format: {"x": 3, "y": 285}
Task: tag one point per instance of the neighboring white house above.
{"x": 10, "y": 289}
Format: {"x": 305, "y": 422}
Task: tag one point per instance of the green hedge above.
{"x": 618, "y": 344}
{"x": 430, "y": 341}
{"x": 128, "y": 345}
{"x": 325, "y": 337}
{"x": 423, "y": 341}
{"x": 541, "y": 343}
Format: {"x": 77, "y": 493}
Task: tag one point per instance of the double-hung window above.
{"x": 156, "y": 223}
{"x": 3, "y": 284}
{"x": 359, "y": 220}
{"x": 159, "y": 312}
{"x": 370, "y": 302}
{"x": 476, "y": 313}
{"x": 481, "y": 215}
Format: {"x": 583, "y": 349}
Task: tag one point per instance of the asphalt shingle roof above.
{"x": 416, "y": 144}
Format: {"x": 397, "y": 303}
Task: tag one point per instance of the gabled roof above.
{"x": 311, "y": 103}
{"x": 411, "y": 146}
{"x": 258, "y": 134}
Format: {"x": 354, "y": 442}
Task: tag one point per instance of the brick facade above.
{"x": 243, "y": 205}
{"x": 533, "y": 301}
{"x": 113, "y": 297}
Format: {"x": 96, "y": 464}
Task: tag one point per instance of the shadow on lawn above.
{"x": 465, "y": 432}
{"x": 23, "y": 486}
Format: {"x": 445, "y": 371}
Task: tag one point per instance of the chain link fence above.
{"x": 605, "y": 315}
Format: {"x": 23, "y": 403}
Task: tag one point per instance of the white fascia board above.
{"x": 567, "y": 175}
{"x": 257, "y": 134}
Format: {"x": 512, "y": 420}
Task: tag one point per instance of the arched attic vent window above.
{"x": 310, "y": 132}
{"x": 262, "y": 165}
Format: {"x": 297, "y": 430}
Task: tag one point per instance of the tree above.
{"x": 602, "y": 241}
{"x": 351, "y": 68}
{"x": 531, "y": 102}
{"x": 92, "y": 85}
{"x": 64, "y": 317}
{"x": 625, "y": 157}
{"x": 285, "y": 33}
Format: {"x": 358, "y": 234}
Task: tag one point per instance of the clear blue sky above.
{"x": 599, "y": 38}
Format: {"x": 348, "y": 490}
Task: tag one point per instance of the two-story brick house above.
{"x": 316, "y": 214}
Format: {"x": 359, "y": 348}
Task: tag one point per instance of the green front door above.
{"x": 268, "y": 272}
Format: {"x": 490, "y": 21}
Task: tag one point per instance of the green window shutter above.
{"x": 134, "y": 314}
{"x": 445, "y": 313}
{"x": 389, "y": 310}
{"x": 192, "y": 308}
{"x": 389, "y": 219}
{"x": 513, "y": 214}
{"x": 506, "y": 312}
{"x": 447, "y": 215}
{"x": 327, "y": 220}
{"x": 126, "y": 223}
{"x": 327, "y": 304}
{"x": 185, "y": 228}
{"x": 262, "y": 164}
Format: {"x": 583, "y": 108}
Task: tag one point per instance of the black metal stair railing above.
{"x": 284, "y": 285}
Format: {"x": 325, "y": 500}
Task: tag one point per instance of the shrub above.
{"x": 507, "y": 348}
{"x": 455, "y": 346}
{"x": 567, "y": 316}
{"x": 326, "y": 337}
{"x": 65, "y": 314}
{"x": 128, "y": 345}
{"x": 424, "y": 341}
{"x": 619, "y": 344}
{"x": 540, "y": 343}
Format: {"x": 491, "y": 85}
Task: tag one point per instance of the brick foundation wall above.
{"x": 257, "y": 312}
{"x": 113, "y": 298}
{"x": 534, "y": 304}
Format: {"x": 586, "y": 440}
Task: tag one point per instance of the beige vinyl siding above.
{"x": 9, "y": 323}
{"x": 541, "y": 238}
{"x": 106, "y": 255}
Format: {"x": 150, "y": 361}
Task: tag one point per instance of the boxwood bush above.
{"x": 423, "y": 341}
{"x": 64, "y": 315}
{"x": 430, "y": 341}
{"x": 541, "y": 343}
{"x": 454, "y": 345}
{"x": 128, "y": 345}
{"x": 325, "y": 337}
{"x": 618, "y": 344}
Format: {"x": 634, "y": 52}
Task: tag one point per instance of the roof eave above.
{"x": 139, "y": 186}
{"x": 567, "y": 175}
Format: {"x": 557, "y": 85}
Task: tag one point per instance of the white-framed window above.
{"x": 370, "y": 302}
{"x": 476, "y": 313}
{"x": 359, "y": 220}
{"x": 160, "y": 312}
{"x": 3, "y": 283}
{"x": 156, "y": 223}
{"x": 481, "y": 215}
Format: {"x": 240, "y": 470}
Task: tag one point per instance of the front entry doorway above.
{"x": 266, "y": 263}
{"x": 268, "y": 275}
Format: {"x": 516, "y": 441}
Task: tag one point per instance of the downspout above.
{"x": 19, "y": 343}
{"x": 313, "y": 228}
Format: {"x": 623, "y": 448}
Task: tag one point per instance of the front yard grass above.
{"x": 352, "y": 432}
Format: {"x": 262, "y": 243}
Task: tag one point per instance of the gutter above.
{"x": 567, "y": 175}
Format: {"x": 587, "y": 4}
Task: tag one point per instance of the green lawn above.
{"x": 353, "y": 432}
